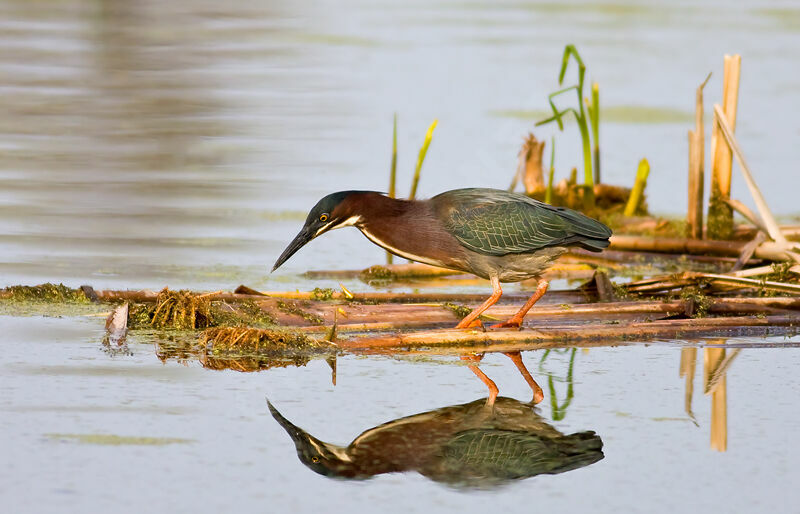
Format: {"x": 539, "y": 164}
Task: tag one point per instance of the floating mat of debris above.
{"x": 260, "y": 339}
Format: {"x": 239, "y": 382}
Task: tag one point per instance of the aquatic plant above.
{"x": 580, "y": 117}
{"x": 423, "y": 151}
{"x": 48, "y": 292}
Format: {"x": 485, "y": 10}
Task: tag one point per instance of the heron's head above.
{"x": 336, "y": 210}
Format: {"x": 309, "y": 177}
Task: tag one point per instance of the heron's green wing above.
{"x": 497, "y": 223}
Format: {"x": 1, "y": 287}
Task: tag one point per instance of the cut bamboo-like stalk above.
{"x": 638, "y": 188}
{"x": 696, "y": 163}
{"x": 720, "y": 215}
{"x": 421, "y": 158}
{"x": 767, "y": 250}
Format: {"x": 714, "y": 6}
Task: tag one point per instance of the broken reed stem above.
{"x": 749, "y": 215}
{"x": 638, "y": 188}
{"x": 766, "y": 215}
{"x": 548, "y": 196}
{"x": 696, "y": 163}
{"x": 421, "y": 158}
{"x": 533, "y": 174}
{"x": 393, "y": 175}
{"x": 720, "y": 215}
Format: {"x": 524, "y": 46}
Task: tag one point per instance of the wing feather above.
{"x": 494, "y": 222}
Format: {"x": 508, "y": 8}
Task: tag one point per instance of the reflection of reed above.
{"x": 688, "y": 360}
{"x": 712, "y": 358}
{"x": 716, "y": 362}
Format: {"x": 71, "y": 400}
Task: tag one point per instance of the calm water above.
{"x": 211, "y": 444}
{"x": 145, "y": 144}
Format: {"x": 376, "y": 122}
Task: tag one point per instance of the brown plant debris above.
{"x": 182, "y": 310}
{"x": 260, "y": 340}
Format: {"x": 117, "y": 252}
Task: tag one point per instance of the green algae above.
{"x": 117, "y": 440}
{"x": 322, "y": 294}
{"x": 290, "y": 307}
{"x": 623, "y": 114}
{"x": 46, "y": 293}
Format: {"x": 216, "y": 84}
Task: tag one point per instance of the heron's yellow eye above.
{"x": 315, "y": 460}
{"x": 323, "y": 217}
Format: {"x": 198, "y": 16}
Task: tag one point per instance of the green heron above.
{"x": 494, "y": 234}
{"x": 465, "y": 445}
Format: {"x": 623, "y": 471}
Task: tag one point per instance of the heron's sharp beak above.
{"x": 298, "y": 242}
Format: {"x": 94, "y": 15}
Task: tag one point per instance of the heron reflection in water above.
{"x": 469, "y": 445}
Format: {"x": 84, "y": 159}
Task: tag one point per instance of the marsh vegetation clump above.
{"x": 46, "y": 293}
{"x": 181, "y": 310}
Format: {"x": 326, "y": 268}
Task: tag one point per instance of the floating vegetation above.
{"x": 461, "y": 311}
{"x": 290, "y": 307}
{"x": 46, "y": 293}
{"x": 322, "y": 294}
{"x": 117, "y": 440}
{"x": 622, "y": 114}
{"x": 247, "y": 313}
{"x": 377, "y": 274}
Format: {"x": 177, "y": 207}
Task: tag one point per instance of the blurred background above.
{"x": 147, "y": 144}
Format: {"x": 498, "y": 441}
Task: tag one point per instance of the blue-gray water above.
{"x": 145, "y": 144}
{"x": 59, "y": 387}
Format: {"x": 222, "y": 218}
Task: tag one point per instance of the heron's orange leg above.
{"x": 493, "y": 391}
{"x": 515, "y": 321}
{"x": 471, "y": 318}
{"x": 516, "y": 358}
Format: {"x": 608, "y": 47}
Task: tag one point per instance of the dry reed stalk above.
{"x": 720, "y": 215}
{"x": 748, "y": 250}
{"x": 749, "y": 215}
{"x": 766, "y": 215}
{"x": 696, "y": 163}
{"x": 506, "y": 340}
{"x": 768, "y": 250}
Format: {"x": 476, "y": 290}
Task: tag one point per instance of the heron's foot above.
{"x": 538, "y": 396}
{"x": 476, "y": 323}
{"x": 511, "y": 323}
